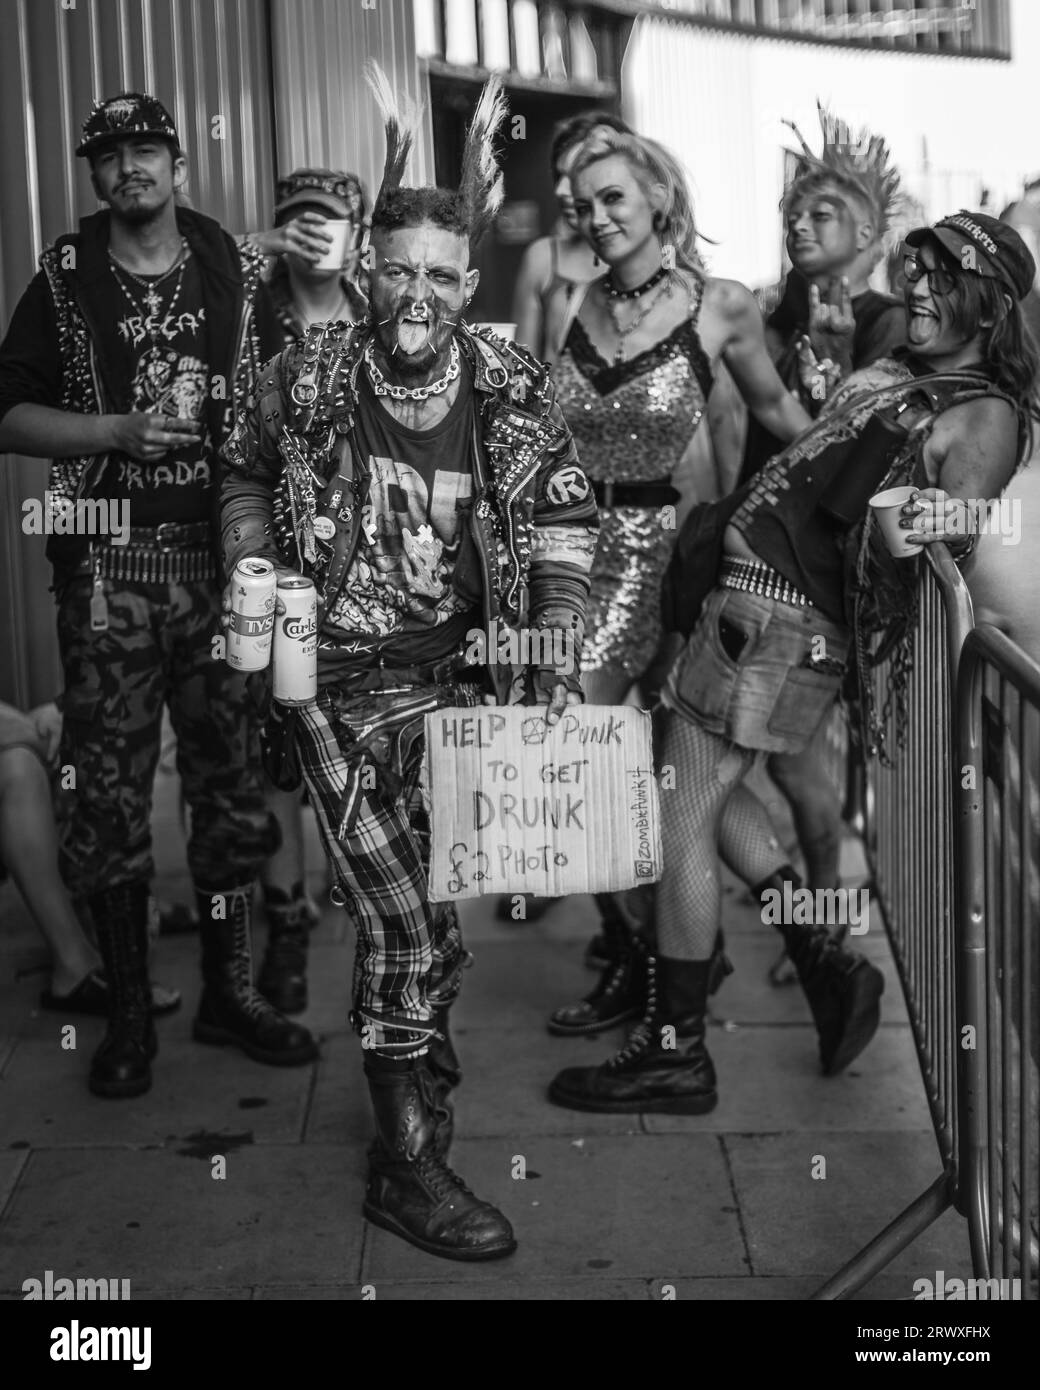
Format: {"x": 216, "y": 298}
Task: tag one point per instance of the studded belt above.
{"x": 635, "y": 494}
{"x": 172, "y": 553}
{"x": 754, "y": 577}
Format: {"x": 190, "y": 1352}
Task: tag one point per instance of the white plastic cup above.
{"x": 888, "y": 508}
{"x": 339, "y": 229}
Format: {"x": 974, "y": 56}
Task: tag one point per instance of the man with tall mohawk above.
{"x": 837, "y": 209}
{"x": 423, "y": 476}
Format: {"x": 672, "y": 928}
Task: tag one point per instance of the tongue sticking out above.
{"x": 412, "y": 337}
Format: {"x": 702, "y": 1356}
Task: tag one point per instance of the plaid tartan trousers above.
{"x": 410, "y": 955}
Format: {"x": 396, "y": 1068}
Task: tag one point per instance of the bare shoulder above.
{"x": 992, "y": 417}
{"x": 729, "y": 299}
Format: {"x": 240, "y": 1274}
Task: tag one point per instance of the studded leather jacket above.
{"x": 293, "y": 460}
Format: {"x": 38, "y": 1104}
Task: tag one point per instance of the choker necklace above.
{"x": 382, "y": 387}
{"x": 612, "y": 291}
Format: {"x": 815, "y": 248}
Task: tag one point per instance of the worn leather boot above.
{"x": 411, "y": 1190}
{"x": 283, "y": 974}
{"x": 121, "y": 1067}
{"x": 231, "y": 1010}
{"x": 842, "y": 987}
{"x": 664, "y": 1068}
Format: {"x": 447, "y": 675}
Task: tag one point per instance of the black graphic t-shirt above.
{"x": 166, "y": 345}
{"x": 398, "y": 600}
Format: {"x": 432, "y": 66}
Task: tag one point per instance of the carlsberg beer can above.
{"x": 296, "y": 643}
{"x": 251, "y": 629}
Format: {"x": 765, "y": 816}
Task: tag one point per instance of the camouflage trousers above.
{"x": 158, "y": 649}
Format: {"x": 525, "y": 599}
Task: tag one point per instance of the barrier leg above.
{"x": 885, "y": 1246}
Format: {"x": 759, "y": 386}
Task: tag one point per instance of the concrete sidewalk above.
{"x": 719, "y": 1207}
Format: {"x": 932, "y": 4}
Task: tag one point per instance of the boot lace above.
{"x": 441, "y": 1180}
{"x": 642, "y": 1036}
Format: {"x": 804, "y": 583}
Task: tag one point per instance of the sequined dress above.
{"x": 631, "y": 423}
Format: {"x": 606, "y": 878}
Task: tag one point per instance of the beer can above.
{"x": 251, "y": 629}
{"x": 296, "y": 643}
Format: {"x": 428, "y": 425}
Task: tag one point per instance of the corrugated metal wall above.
{"x": 324, "y": 113}
{"x": 204, "y": 59}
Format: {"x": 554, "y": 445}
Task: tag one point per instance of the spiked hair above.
{"x": 481, "y": 186}
{"x": 470, "y": 210}
{"x": 858, "y": 165}
{"x": 400, "y": 121}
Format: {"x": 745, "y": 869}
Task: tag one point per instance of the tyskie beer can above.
{"x": 251, "y": 630}
{"x": 296, "y": 643}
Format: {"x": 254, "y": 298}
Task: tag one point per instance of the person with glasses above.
{"x": 774, "y": 588}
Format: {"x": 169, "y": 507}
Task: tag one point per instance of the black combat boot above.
{"x": 842, "y": 987}
{"x": 620, "y": 993}
{"x": 445, "y": 1072}
{"x": 121, "y": 1067}
{"x": 283, "y": 974}
{"x": 664, "y": 1068}
{"x": 411, "y": 1190}
{"x": 231, "y": 1010}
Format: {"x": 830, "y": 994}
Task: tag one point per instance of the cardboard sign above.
{"x": 519, "y": 806}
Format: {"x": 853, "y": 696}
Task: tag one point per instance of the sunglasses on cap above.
{"x": 940, "y": 280}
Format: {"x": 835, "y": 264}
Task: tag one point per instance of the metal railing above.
{"x": 909, "y": 833}
{"x": 999, "y": 899}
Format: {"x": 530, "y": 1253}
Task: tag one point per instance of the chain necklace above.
{"x": 622, "y": 333}
{"x": 382, "y": 387}
{"x": 614, "y": 292}
{"x": 151, "y": 322}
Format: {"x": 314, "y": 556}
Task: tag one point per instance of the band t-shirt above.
{"x": 166, "y": 349}
{"x": 398, "y": 602}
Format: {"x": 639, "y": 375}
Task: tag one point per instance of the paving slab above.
{"x": 339, "y": 1111}
{"x": 160, "y": 1219}
{"x": 505, "y": 1290}
{"x": 506, "y": 1078}
{"x": 635, "y": 1206}
{"x": 201, "y": 1294}
{"x": 518, "y": 983}
{"x": 769, "y": 1081}
{"x": 798, "y": 1225}
{"x": 12, "y": 1162}
{"x": 196, "y": 1089}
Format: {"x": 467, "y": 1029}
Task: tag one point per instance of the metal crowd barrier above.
{"x": 999, "y": 884}
{"x": 906, "y": 813}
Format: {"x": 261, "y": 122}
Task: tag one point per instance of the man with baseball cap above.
{"x": 122, "y": 363}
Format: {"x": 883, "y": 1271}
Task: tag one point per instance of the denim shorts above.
{"x": 759, "y": 672}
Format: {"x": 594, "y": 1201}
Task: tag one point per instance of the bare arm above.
{"x": 531, "y": 283}
{"x": 41, "y": 431}
{"x": 971, "y": 452}
{"x": 745, "y": 353}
